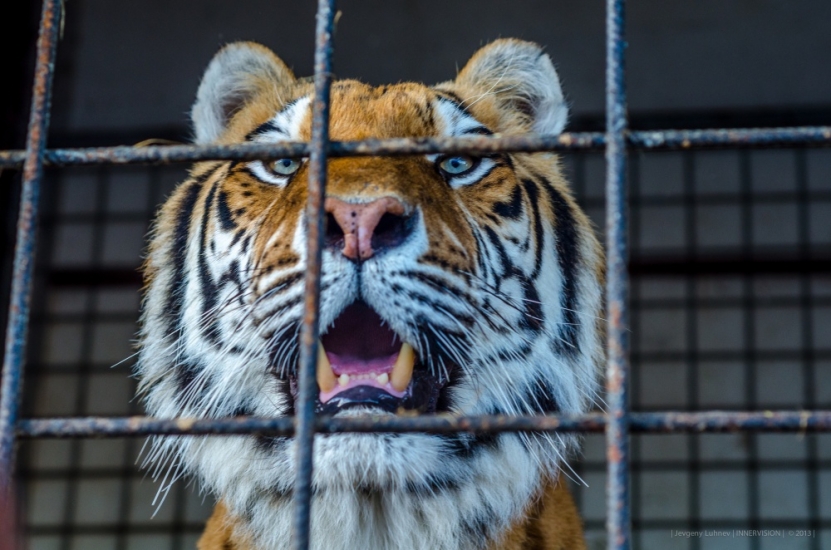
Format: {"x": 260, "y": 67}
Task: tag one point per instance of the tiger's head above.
{"x": 457, "y": 284}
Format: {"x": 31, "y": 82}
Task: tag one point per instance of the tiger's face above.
{"x": 450, "y": 284}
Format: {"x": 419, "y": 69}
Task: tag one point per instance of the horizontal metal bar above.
{"x": 645, "y": 422}
{"x": 581, "y": 141}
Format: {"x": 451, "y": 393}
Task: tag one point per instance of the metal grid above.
{"x": 617, "y": 423}
{"x": 90, "y": 494}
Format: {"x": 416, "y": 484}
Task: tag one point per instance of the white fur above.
{"x": 228, "y": 83}
{"x": 519, "y": 72}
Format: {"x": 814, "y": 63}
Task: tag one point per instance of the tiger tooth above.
{"x": 325, "y": 376}
{"x": 402, "y": 371}
{"x": 383, "y": 378}
{"x": 343, "y": 379}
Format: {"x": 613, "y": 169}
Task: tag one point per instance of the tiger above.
{"x": 451, "y": 284}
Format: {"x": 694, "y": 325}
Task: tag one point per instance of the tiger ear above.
{"x": 233, "y": 77}
{"x": 522, "y": 80}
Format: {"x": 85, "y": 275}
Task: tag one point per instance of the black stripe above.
{"x": 225, "y": 217}
{"x": 209, "y": 290}
{"x": 541, "y": 398}
{"x": 507, "y": 267}
{"x": 455, "y": 100}
{"x": 264, "y": 128}
{"x": 511, "y": 209}
{"x": 269, "y": 125}
{"x": 477, "y": 131}
{"x": 448, "y": 309}
{"x": 504, "y": 354}
{"x": 466, "y": 447}
{"x": 176, "y": 292}
{"x": 568, "y": 256}
{"x": 446, "y": 287}
{"x": 237, "y": 236}
{"x": 186, "y": 372}
{"x": 433, "y": 485}
{"x": 232, "y": 275}
{"x": 482, "y": 258}
{"x": 270, "y": 444}
{"x": 533, "y": 316}
{"x": 539, "y": 232}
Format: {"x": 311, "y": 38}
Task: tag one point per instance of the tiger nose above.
{"x": 366, "y": 228}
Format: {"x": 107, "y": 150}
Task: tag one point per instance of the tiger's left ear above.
{"x": 521, "y": 79}
{"x": 234, "y": 76}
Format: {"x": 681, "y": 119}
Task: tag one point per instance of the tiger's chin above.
{"x": 363, "y": 365}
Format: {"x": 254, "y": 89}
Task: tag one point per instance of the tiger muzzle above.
{"x": 361, "y": 230}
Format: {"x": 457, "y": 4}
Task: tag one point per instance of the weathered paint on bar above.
{"x": 657, "y": 140}
{"x": 651, "y": 422}
{"x": 24, "y": 251}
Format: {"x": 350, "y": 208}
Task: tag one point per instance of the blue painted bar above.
{"x": 307, "y": 384}
{"x": 651, "y": 422}
{"x": 24, "y": 252}
{"x": 653, "y": 140}
{"x": 618, "y": 518}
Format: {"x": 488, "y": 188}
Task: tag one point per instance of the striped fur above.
{"x": 497, "y": 287}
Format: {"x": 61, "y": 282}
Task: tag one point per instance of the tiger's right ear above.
{"x": 233, "y": 77}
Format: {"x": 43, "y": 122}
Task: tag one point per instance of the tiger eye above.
{"x": 457, "y": 165}
{"x": 285, "y": 167}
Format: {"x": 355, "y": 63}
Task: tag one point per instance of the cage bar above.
{"x": 24, "y": 252}
{"x": 318, "y": 149}
{"x": 618, "y": 522}
{"x": 648, "y": 422}
{"x": 654, "y": 140}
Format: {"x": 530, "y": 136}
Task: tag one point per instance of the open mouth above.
{"x": 363, "y": 363}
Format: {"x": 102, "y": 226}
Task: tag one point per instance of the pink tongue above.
{"x": 361, "y": 346}
{"x": 353, "y": 365}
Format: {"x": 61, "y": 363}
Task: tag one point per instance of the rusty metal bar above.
{"x": 307, "y": 384}
{"x": 24, "y": 253}
{"x": 657, "y": 140}
{"x": 618, "y": 516}
{"x": 647, "y": 422}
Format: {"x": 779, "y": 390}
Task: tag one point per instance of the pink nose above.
{"x": 382, "y": 223}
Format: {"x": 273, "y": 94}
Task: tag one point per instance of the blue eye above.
{"x": 285, "y": 167}
{"x": 457, "y": 165}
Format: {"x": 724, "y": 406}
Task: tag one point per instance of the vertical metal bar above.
{"x": 24, "y": 255}
{"x": 304, "y": 411}
{"x": 618, "y": 521}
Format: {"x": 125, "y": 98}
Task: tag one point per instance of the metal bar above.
{"x": 646, "y": 422}
{"x": 618, "y": 519}
{"x": 307, "y": 385}
{"x": 24, "y": 255}
{"x": 657, "y": 140}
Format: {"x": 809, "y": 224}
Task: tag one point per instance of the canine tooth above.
{"x": 325, "y": 377}
{"x": 383, "y": 378}
{"x": 402, "y": 371}
{"x": 343, "y": 379}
